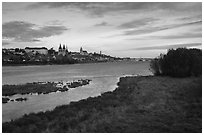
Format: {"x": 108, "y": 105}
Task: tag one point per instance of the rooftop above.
{"x": 36, "y": 48}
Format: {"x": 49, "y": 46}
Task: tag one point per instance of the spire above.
{"x": 66, "y": 48}
{"x": 60, "y": 47}
{"x": 63, "y": 47}
{"x": 81, "y": 49}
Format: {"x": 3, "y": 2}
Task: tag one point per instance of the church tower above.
{"x": 63, "y": 50}
{"x": 60, "y": 50}
{"x": 66, "y": 50}
{"x": 81, "y": 50}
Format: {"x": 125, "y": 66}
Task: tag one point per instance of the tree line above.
{"x": 181, "y": 62}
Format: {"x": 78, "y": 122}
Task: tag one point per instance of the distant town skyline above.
{"x": 127, "y": 29}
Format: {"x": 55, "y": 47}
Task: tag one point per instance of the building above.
{"x": 34, "y": 50}
{"x": 83, "y": 52}
{"x": 62, "y": 50}
{"x": 51, "y": 51}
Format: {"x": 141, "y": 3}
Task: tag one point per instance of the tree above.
{"x": 181, "y": 62}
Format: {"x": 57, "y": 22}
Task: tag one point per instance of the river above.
{"x": 104, "y": 78}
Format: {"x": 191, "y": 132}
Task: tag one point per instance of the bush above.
{"x": 154, "y": 66}
{"x": 181, "y": 62}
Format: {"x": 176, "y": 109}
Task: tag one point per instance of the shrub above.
{"x": 181, "y": 62}
{"x": 154, "y": 67}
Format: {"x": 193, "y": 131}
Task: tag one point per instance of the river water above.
{"x": 104, "y": 78}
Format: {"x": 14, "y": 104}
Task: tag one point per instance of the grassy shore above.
{"x": 139, "y": 104}
{"x": 40, "y": 88}
{"x": 9, "y": 90}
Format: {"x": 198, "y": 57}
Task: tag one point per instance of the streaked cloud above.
{"x": 92, "y": 7}
{"x": 162, "y": 47}
{"x": 27, "y": 32}
{"x": 192, "y": 34}
{"x": 191, "y": 18}
{"x": 101, "y": 24}
{"x": 150, "y": 29}
{"x": 55, "y": 23}
{"x": 179, "y": 36}
{"x": 137, "y": 23}
{"x": 101, "y": 8}
{"x": 5, "y": 43}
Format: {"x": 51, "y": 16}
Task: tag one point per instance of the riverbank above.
{"x": 139, "y": 104}
{"x": 44, "y": 64}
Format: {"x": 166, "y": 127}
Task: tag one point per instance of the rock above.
{"x": 21, "y": 99}
{"x": 5, "y": 100}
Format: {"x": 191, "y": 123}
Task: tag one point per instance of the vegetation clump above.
{"x": 79, "y": 83}
{"x": 9, "y": 90}
{"x": 21, "y": 99}
{"x": 5, "y": 100}
{"x": 41, "y": 87}
{"x": 181, "y": 62}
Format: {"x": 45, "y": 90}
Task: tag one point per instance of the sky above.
{"x": 122, "y": 29}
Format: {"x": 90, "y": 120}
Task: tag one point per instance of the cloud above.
{"x": 151, "y": 29}
{"x": 55, "y": 22}
{"x": 27, "y": 32}
{"x": 162, "y": 47}
{"x": 101, "y": 24}
{"x": 191, "y": 18}
{"x": 186, "y": 35}
{"x": 191, "y": 34}
{"x": 91, "y": 6}
{"x": 102, "y": 8}
{"x": 137, "y": 23}
{"x": 5, "y": 43}
{"x": 36, "y": 40}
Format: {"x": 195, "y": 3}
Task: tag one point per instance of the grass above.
{"x": 140, "y": 104}
{"x": 35, "y": 87}
{"x": 9, "y": 90}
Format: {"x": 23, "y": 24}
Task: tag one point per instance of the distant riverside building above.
{"x": 83, "y": 52}
{"x": 62, "y": 50}
{"x": 34, "y": 50}
{"x": 11, "y": 50}
{"x": 51, "y": 51}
